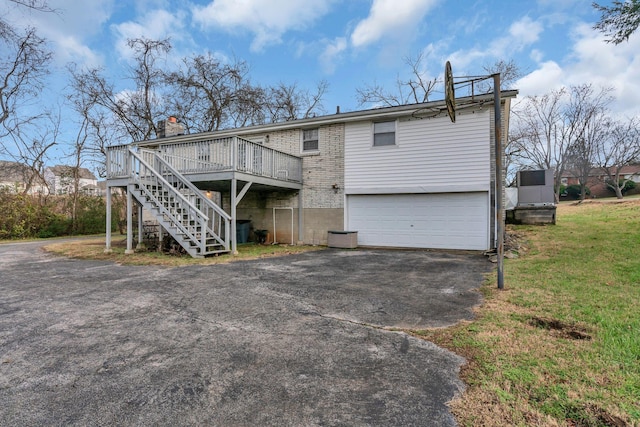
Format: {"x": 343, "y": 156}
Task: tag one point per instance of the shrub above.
{"x": 562, "y": 191}
{"x": 625, "y": 185}
{"x": 573, "y": 191}
{"x": 25, "y": 216}
{"x": 91, "y": 215}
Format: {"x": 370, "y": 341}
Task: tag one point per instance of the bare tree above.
{"x": 77, "y": 157}
{"x": 27, "y": 130}
{"x": 210, "y": 95}
{"x": 619, "y": 147}
{"x": 31, "y": 149}
{"x": 553, "y": 130}
{"x": 588, "y": 112}
{"x": 288, "y": 102}
{"x": 23, "y": 66}
{"x": 536, "y": 139}
{"x": 619, "y": 20}
{"x": 132, "y": 113}
{"x": 417, "y": 88}
{"x": 145, "y": 105}
{"x": 7, "y": 29}
{"x": 509, "y": 72}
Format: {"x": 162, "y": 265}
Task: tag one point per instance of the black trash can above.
{"x": 242, "y": 230}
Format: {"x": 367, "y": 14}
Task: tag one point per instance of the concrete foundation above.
{"x": 316, "y": 223}
{"x": 534, "y": 215}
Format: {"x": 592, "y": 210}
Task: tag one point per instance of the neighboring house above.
{"x": 596, "y": 181}
{"x": 61, "y": 180}
{"x": 401, "y": 176}
{"x": 16, "y": 177}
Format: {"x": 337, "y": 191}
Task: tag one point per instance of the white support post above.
{"x": 107, "y": 248}
{"x": 300, "y": 220}
{"x": 129, "y": 249}
{"x": 140, "y": 228}
{"x": 234, "y": 243}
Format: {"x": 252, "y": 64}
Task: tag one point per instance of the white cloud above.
{"x": 594, "y": 61}
{"x": 70, "y": 49}
{"x": 155, "y": 24}
{"x": 547, "y": 77}
{"x": 536, "y": 55}
{"x": 67, "y": 28}
{"x": 591, "y": 60}
{"x": 332, "y": 53}
{"x": 267, "y": 20}
{"x": 525, "y": 31}
{"x": 388, "y": 17}
{"x": 522, "y": 34}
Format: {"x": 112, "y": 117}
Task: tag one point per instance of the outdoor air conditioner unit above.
{"x": 535, "y": 188}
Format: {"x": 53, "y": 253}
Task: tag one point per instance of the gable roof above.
{"x": 425, "y": 109}
{"x": 13, "y": 171}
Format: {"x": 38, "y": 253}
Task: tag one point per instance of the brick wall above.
{"x": 323, "y": 205}
{"x": 321, "y": 170}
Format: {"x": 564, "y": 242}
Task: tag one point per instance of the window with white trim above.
{"x": 384, "y": 133}
{"x": 310, "y": 140}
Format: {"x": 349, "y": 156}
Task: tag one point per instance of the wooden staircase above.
{"x": 200, "y": 226}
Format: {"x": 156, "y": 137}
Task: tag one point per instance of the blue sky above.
{"x": 349, "y": 43}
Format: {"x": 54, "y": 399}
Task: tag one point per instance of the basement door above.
{"x": 438, "y": 221}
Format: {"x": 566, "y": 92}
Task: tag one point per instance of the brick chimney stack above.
{"x": 169, "y": 127}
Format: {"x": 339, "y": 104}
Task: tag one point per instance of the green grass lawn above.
{"x": 561, "y": 344}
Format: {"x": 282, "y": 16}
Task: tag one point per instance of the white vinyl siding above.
{"x": 437, "y": 221}
{"x": 431, "y": 155}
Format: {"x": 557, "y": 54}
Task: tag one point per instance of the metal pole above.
{"x": 499, "y": 183}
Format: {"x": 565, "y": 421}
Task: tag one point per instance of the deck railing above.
{"x": 118, "y": 161}
{"x": 216, "y": 155}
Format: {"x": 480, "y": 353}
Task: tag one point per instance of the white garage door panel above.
{"x": 442, "y": 221}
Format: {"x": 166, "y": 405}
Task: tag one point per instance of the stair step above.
{"x": 166, "y": 205}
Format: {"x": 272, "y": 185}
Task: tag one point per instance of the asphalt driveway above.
{"x": 300, "y": 340}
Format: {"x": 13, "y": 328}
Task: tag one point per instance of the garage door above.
{"x": 442, "y": 221}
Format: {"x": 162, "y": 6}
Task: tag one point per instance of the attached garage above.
{"x": 438, "y": 221}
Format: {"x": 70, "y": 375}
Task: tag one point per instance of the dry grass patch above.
{"x": 94, "y": 249}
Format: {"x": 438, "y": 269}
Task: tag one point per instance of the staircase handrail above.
{"x": 169, "y": 186}
{"x": 197, "y": 212}
{"x": 192, "y": 187}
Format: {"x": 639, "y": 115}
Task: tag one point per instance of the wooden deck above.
{"x": 215, "y": 160}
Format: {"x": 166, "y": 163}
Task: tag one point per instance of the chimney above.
{"x": 169, "y": 127}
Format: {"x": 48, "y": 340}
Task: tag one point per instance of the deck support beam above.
{"x": 300, "y": 220}
{"x": 129, "y": 249}
{"x": 243, "y": 192}
{"x": 235, "y": 200}
{"x": 234, "y": 204}
{"x": 107, "y": 248}
{"x": 140, "y": 228}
